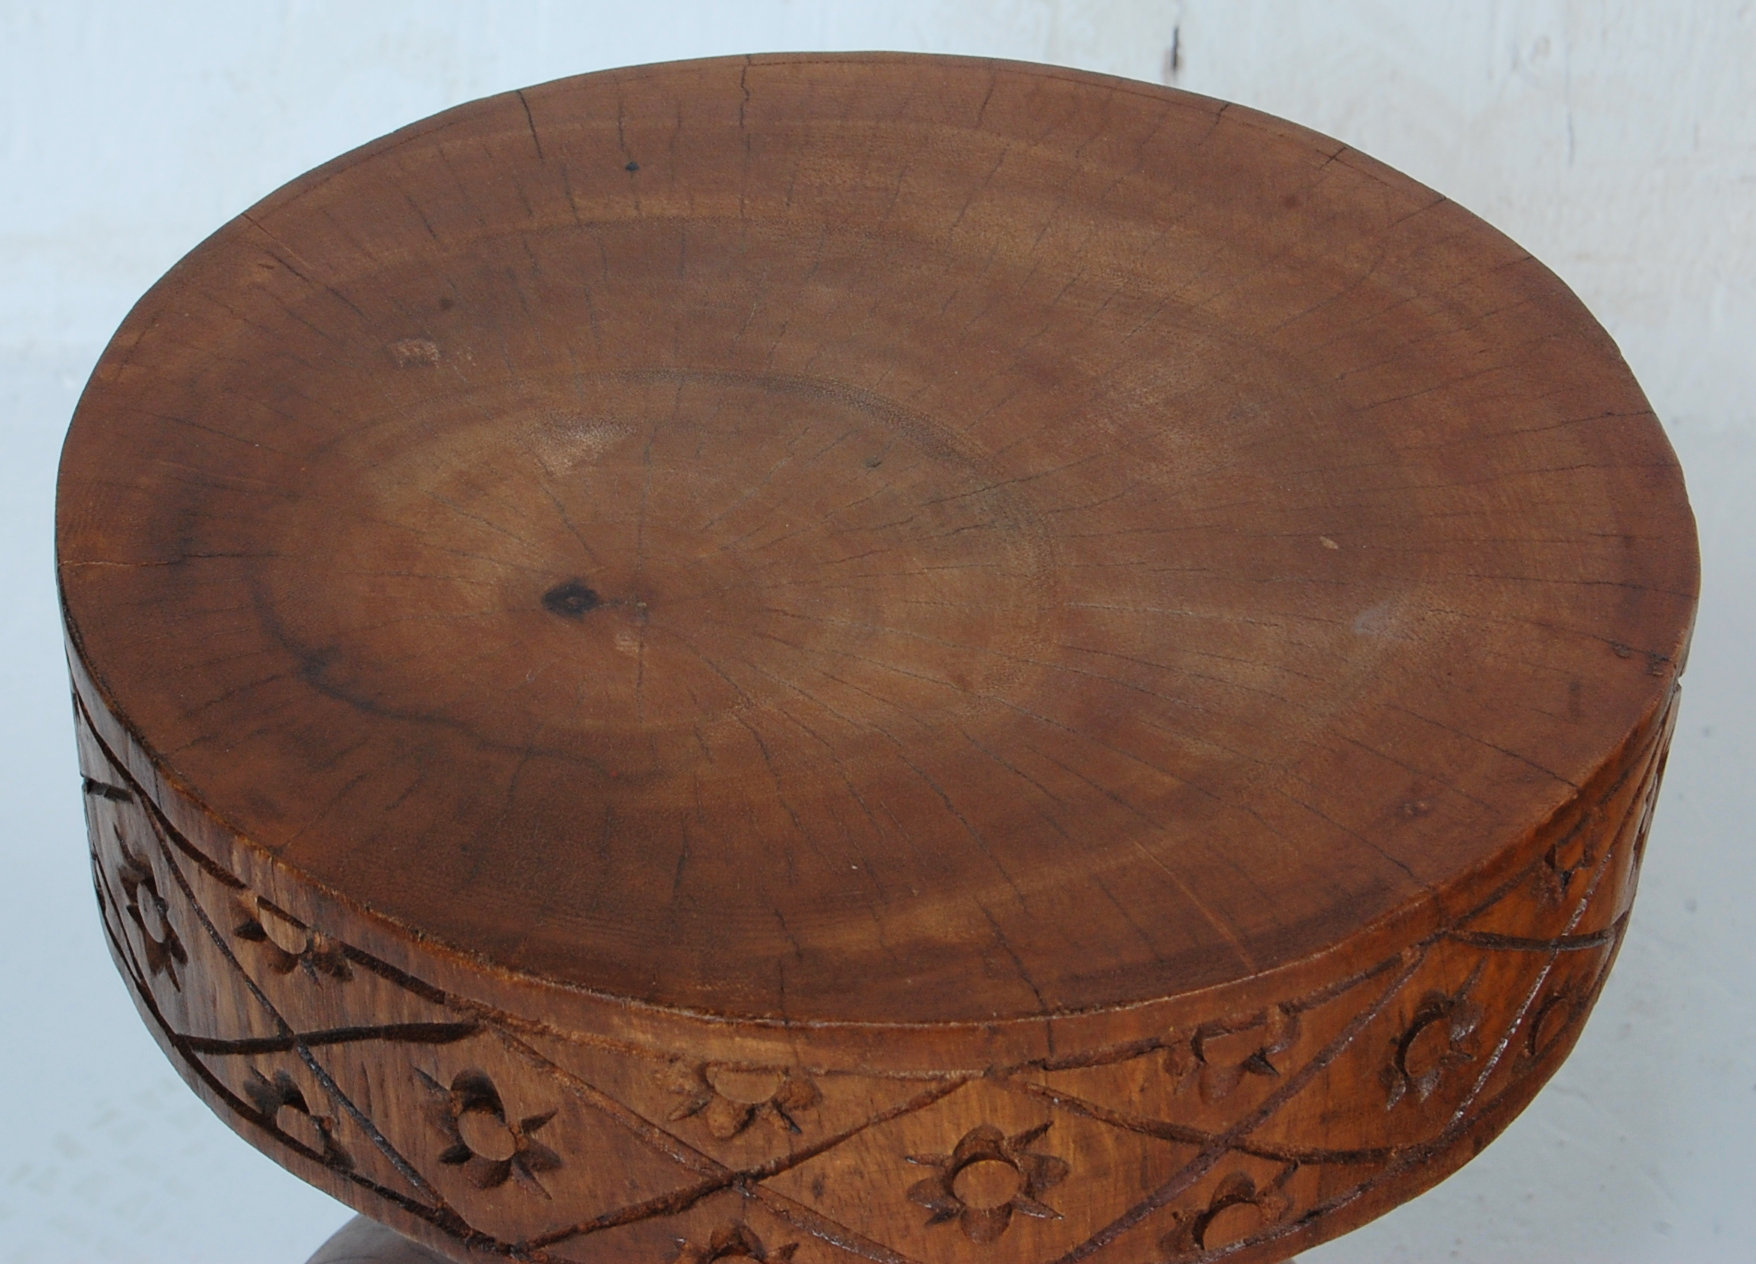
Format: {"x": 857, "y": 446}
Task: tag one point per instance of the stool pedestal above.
{"x": 836, "y": 659}
{"x": 365, "y": 1241}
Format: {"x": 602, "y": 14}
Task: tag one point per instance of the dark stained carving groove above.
{"x": 191, "y": 1065}
{"x": 716, "y": 1178}
{"x": 986, "y": 1180}
{"x": 1521, "y": 943}
{"x": 867, "y": 660}
{"x": 726, "y": 1178}
{"x": 1217, "y": 1149}
{"x": 826, "y": 1230}
{"x": 402, "y": 1165}
{"x": 104, "y": 790}
{"x": 398, "y": 1033}
{"x": 162, "y": 834}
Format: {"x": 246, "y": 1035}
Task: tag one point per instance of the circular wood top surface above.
{"x": 871, "y": 538}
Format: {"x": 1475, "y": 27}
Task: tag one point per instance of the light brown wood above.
{"x": 867, "y": 657}
{"x": 363, "y": 1241}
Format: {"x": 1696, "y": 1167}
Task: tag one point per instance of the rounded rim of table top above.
{"x": 169, "y": 498}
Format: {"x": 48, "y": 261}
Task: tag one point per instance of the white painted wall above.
{"x": 1616, "y": 140}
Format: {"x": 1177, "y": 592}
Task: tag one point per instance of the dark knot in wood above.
{"x": 571, "y": 599}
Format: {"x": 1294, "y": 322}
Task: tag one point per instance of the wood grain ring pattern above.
{"x": 1314, "y": 1111}
{"x": 867, "y": 656}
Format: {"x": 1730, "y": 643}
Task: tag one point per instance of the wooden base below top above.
{"x": 1083, "y": 678}
{"x": 365, "y": 1241}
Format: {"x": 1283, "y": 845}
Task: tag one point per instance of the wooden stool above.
{"x": 866, "y": 658}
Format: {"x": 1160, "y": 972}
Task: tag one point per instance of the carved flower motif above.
{"x": 729, "y": 1097}
{"x": 735, "y": 1242}
{"x": 147, "y": 909}
{"x": 1565, "y": 859}
{"x": 1217, "y": 1057}
{"x": 287, "y": 943}
{"x": 987, "y": 1178}
{"x": 1236, "y": 1210}
{"x": 1549, "y": 1020}
{"x": 489, "y": 1147}
{"x": 282, "y": 1104}
{"x": 1439, "y": 1036}
{"x": 1648, "y": 803}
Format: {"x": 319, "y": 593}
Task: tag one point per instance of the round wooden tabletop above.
{"x": 782, "y": 601}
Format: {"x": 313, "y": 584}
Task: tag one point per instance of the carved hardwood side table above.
{"x": 866, "y": 658}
